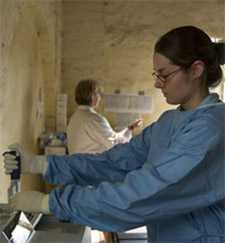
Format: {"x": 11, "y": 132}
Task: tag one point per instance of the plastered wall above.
{"x": 29, "y": 76}
{"x": 112, "y": 41}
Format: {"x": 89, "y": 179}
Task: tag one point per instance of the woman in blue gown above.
{"x": 170, "y": 177}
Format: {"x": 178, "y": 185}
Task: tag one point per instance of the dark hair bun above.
{"x": 220, "y": 52}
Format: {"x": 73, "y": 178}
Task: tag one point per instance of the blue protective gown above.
{"x": 170, "y": 178}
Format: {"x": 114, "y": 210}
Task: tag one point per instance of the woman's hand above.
{"x": 136, "y": 124}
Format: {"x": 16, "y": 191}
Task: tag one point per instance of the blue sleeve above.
{"x": 149, "y": 193}
{"x": 89, "y": 169}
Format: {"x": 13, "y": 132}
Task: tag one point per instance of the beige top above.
{"x": 90, "y": 132}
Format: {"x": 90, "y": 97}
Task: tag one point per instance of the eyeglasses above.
{"x": 164, "y": 77}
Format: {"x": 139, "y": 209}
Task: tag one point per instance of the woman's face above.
{"x": 177, "y": 85}
{"x": 96, "y": 98}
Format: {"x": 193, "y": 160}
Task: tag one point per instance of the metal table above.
{"x": 50, "y": 230}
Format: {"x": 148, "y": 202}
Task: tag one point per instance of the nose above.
{"x": 158, "y": 84}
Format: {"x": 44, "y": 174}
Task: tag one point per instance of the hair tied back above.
{"x": 220, "y": 52}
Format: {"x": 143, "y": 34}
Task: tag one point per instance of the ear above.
{"x": 197, "y": 68}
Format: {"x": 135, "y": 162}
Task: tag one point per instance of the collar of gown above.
{"x": 86, "y": 108}
{"x": 211, "y": 99}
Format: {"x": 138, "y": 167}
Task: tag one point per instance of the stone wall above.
{"x": 29, "y": 75}
{"x": 112, "y": 41}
